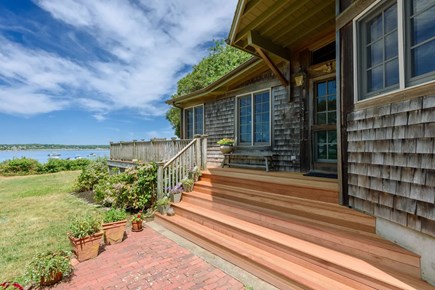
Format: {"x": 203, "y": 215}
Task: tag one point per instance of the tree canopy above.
{"x": 221, "y": 59}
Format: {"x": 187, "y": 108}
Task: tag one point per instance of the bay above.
{"x": 42, "y": 155}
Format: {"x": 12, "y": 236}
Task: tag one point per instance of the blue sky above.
{"x": 90, "y": 72}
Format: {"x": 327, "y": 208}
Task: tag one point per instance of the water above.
{"x": 42, "y": 155}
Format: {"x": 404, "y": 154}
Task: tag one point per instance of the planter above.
{"x": 226, "y": 149}
{"x": 163, "y": 209}
{"x": 54, "y": 278}
{"x": 136, "y": 226}
{"x": 88, "y": 247}
{"x": 187, "y": 188}
{"x": 176, "y": 197}
{"x": 114, "y": 232}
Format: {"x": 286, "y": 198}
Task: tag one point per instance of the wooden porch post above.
{"x": 204, "y": 152}
{"x": 160, "y": 180}
{"x": 198, "y": 151}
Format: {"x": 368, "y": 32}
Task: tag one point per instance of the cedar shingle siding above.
{"x": 392, "y": 160}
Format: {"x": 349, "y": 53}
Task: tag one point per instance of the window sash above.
{"x": 194, "y": 121}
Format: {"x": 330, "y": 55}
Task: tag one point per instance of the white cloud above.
{"x": 149, "y": 42}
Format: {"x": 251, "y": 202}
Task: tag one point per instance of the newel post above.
{"x": 198, "y": 151}
{"x": 160, "y": 180}
{"x": 204, "y": 152}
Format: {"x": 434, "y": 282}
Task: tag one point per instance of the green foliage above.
{"x": 114, "y": 215}
{"x": 133, "y": 189}
{"x": 137, "y": 217}
{"x": 46, "y": 265}
{"x": 27, "y": 166}
{"x": 226, "y": 141}
{"x": 221, "y": 60}
{"x": 84, "y": 226}
{"x": 91, "y": 175}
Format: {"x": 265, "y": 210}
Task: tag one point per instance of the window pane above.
{"x": 321, "y": 104}
{"x": 331, "y": 88}
{"x": 391, "y": 46}
{"x": 321, "y": 89}
{"x": 422, "y": 59}
{"x": 418, "y": 5}
{"x": 423, "y": 26}
{"x": 332, "y": 102}
{"x": 189, "y": 123}
{"x": 199, "y": 120}
{"x": 321, "y": 137}
{"x": 332, "y": 152}
{"x": 390, "y": 18}
{"x": 375, "y": 53}
{"x": 321, "y": 151}
{"x": 332, "y": 117}
{"x": 332, "y": 137}
{"x": 392, "y": 73}
{"x": 374, "y": 29}
{"x": 321, "y": 118}
{"x": 375, "y": 79}
{"x": 261, "y": 118}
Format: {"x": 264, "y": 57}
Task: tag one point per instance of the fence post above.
{"x": 198, "y": 151}
{"x": 160, "y": 180}
{"x": 204, "y": 152}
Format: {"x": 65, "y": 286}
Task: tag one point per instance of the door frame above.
{"x": 311, "y": 109}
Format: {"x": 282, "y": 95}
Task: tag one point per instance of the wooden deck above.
{"x": 288, "y": 229}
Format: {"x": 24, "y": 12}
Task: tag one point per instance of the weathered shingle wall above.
{"x": 286, "y": 124}
{"x": 219, "y": 123}
{"x": 392, "y": 162}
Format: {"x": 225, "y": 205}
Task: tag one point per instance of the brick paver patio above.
{"x": 148, "y": 260}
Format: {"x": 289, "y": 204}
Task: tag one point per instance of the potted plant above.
{"x": 85, "y": 237}
{"x": 226, "y": 145}
{"x": 114, "y": 222}
{"x": 149, "y": 215}
{"x": 176, "y": 192}
{"x": 136, "y": 222}
{"x": 195, "y": 173}
{"x": 48, "y": 268}
{"x": 187, "y": 184}
{"x": 163, "y": 205}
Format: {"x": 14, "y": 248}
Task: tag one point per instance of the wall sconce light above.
{"x": 299, "y": 78}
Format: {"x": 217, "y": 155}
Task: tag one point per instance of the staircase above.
{"x": 289, "y": 230}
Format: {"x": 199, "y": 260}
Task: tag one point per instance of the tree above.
{"x": 221, "y": 59}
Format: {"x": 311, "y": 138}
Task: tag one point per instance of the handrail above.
{"x": 179, "y": 153}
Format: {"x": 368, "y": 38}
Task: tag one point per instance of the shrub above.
{"x": 46, "y": 265}
{"x": 84, "y": 226}
{"x": 56, "y": 165}
{"x": 133, "y": 189}
{"x": 20, "y": 166}
{"x": 91, "y": 174}
{"x": 114, "y": 215}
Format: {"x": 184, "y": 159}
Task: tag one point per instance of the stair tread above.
{"x": 288, "y": 269}
{"x": 361, "y": 239}
{"x": 298, "y": 203}
{"x": 308, "y": 248}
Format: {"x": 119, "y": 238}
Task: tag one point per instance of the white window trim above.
{"x": 185, "y": 123}
{"x": 401, "y": 42}
{"x": 236, "y": 123}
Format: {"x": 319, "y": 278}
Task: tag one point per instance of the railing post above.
{"x": 204, "y": 152}
{"x": 160, "y": 180}
{"x": 198, "y": 151}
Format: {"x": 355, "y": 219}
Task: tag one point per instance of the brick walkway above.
{"x": 148, "y": 260}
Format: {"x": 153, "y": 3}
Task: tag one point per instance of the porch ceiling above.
{"x": 281, "y": 27}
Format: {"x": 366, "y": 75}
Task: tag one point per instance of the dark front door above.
{"x": 324, "y": 126}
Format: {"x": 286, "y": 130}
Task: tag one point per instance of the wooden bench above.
{"x": 263, "y": 157}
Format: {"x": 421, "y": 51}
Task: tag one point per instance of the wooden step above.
{"x": 288, "y": 204}
{"x": 359, "y": 244}
{"x": 283, "y": 273}
{"x": 287, "y": 246}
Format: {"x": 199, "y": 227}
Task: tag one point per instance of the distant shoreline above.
{"x": 58, "y": 149}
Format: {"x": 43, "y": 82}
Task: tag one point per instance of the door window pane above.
{"x": 189, "y": 123}
{"x": 326, "y": 145}
{"x": 326, "y": 105}
{"x": 245, "y": 118}
{"x": 199, "y": 120}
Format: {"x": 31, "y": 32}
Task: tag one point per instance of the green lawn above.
{"x": 34, "y": 215}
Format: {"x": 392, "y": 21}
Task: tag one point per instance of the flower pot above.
{"x": 54, "y": 278}
{"x": 187, "y": 188}
{"x": 163, "y": 209}
{"x": 114, "y": 232}
{"x": 88, "y": 247}
{"x": 136, "y": 226}
{"x": 226, "y": 149}
{"x": 176, "y": 197}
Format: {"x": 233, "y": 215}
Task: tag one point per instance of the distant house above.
{"x": 336, "y": 87}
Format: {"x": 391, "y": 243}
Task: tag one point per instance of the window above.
{"x": 253, "y": 113}
{"x": 194, "y": 121}
{"x": 382, "y": 64}
{"x": 326, "y": 145}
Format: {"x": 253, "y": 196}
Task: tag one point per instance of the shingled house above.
{"x": 334, "y": 87}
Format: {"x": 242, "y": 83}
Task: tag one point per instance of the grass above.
{"x": 35, "y": 212}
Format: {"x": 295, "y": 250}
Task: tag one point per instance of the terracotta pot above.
{"x": 55, "y": 277}
{"x": 226, "y": 149}
{"x": 136, "y": 226}
{"x": 114, "y": 232}
{"x": 88, "y": 247}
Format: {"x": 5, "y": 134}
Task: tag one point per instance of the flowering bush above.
{"x": 226, "y": 141}
{"x": 46, "y": 265}
{"x": 176, "y": 189}
{"x": 137, "y": 217}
